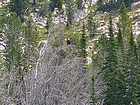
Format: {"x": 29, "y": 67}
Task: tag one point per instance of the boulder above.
{"x": 135, "y": 5}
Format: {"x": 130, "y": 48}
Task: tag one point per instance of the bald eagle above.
{"x": 68, "y": 41}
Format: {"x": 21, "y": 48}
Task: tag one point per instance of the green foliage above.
{"x": 75, "y": 39}
{"x": 21, "y": 41}
{"x": 100, "y": 3}
{"x": 138, "y": 44}
{"x": 12, "y": 33}
{"x": 79, "y": 4}
{"x": 127, "y": 2}
{"x": 83, "y": 43}
{"x": 125, "y": 22}
{"x": 30, "y": 43}
{"x": 110, "y": 69}
{"x": 100, "y": 47}
{"x": 99, "y": 59}
{"x": 69, "y": 12}
{"x": 120, "y": 72}
{"x": 49, "y": 21}
{"x": 132, "y": 72}
{"x": 91, "y": 25}
{"x": 19, "y": 7}
{"x": 59, "y": 5}
{"x": 13, "y": 50}
{"x": 31, "y": 36}
{"x": 93, "y": 95}
{"x": 130, "y": 56}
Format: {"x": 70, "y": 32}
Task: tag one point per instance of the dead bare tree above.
{"x": 58, "y": 79}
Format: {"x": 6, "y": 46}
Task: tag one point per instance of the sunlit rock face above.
{"x": 135, "y": 5}
{"x": 3, "y": 2}
{"x": 89, "y": 60}
{"x": 78, "y": 14}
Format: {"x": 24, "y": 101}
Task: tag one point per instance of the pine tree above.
{"x": 83, "y": 43}
{"x": 69, "y": 12}
{"x": 53, "y": 4}
{"x": 110, "y": 69}
{"x": 121, "y": 82}
{"x": 100, "y": 3}
{"x": 91, "y": 26}
{"x": 30, "y": 43}
{"x": 49, "y": 21}
{"x": 93, "y": 95}
{"x": 130, "y": 56}
{"x": 132, "y": 72}
{"x": 125, "y": 23}
{"x": 13, "y": 53}
{"x": 127, "y": 2}
{"x": 138, "y": 43}
{"x": 60, "y": 4}
{"x": 34, "y": 2}
{"x": 79, "y": 4}
{"x": 98, "y": 86}
{"x": 19, "y": 7}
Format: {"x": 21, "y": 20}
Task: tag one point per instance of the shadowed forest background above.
{"x": 69, "y": 52}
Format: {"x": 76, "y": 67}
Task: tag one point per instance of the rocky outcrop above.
{"x": 135, "y": 5}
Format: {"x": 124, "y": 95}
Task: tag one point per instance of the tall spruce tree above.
{"x": 91, "y": 25}
{"x": 110, "y": 69}
{"x": 127, "y": 2}
{"x": 19, "y": 7}
{"x": 49, "y": 21}
{"x": 130, "y": 56}
{"x": 98, "y": 80}
{"x": 79, "y": 4}
{"x": 138, "y": 43}
{"x": 69, "y": 12}
{"x": 93, "y": 91}
{"x": 83, "y": 43}
{"x": 121, "y": 82}
{"x": 30, "y": 42}
{"x": 132, "y": 72}
{"x": 13, "y": 53}
{"x": 125, "y": 23}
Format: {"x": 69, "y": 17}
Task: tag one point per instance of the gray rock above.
{"x": 135, "y": 5}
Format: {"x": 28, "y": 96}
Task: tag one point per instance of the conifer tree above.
{"x": 93, "y": 91}
{"x": 34, "y": 2}
{"x": 121, "y": 82}
{"x": 127, "y": 2}
{"x": 125, "y": 23}
{"x": 132, "y": 72}
{"x": 79, "y": 4}
{"x": 13, "y": 52}
{"x": 91, "y": 26}
{"x": 130, "y": 57}
{"x": 83, "y": 43}
{"x": 30, "y": 43}
{"x": 60, "y": 3}
{"x": 138, "y": 43}
{"x": 53, "y": 4}
{"x": 49, "y": 21}
{"x": 69, "y": 12}
{"x": 110, "y": 69}
{"x": 100, "y": 3}
{"x": 19, "y": 7}
{"x": 98, "y": 81}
